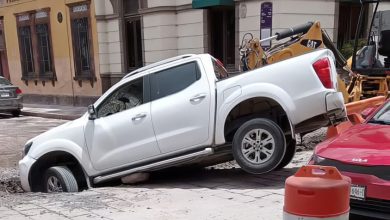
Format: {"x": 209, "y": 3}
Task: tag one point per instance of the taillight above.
{"x": 219, "y": 62}
{"x": 322, "y": 68}
{"x": 18, "y": 91}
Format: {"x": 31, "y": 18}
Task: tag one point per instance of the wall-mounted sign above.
{"x": 266, "y": 23}
{"x": 24, "y": 17}
{"x": 80, "y": 8}
{"x": 41, "y": 14}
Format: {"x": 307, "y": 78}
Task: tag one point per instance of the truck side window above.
{"x": 173, "y": 80}
{"x": 126, "y": 97}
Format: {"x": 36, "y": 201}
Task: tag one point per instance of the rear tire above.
{"x": 289, "y": 155}
{"x": 16, "y": 113}
{"x": 259, "y": 146}
{"x": 59, "y": 179}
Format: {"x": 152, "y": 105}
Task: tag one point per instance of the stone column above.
{"x": 110, "y": 52}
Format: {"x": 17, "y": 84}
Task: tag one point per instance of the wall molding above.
{"x": 165, "y": 9}
{"x": 107, "y": 17}
{"x": 59, "y": 99}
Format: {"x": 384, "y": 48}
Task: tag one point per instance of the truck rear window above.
{"x": 219, "y": 70}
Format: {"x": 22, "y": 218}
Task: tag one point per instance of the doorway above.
{"x": 221, "y": 32}
{"x": 132, "y": 34}
{"x": 133, "y": 42}
{"x": 4, "y": 71}
{"x": 348, "y": 22}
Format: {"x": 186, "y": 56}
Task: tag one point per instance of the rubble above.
{"x": 9, "y": 180}
{"x": 310, "y": 140}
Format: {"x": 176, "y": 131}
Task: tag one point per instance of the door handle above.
{"x": 198, "y": 97}
{"x": 139, "y": 117}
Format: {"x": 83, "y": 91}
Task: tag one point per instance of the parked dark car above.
{"x": 363, "y": 153}
{"x": 11, "y": 99}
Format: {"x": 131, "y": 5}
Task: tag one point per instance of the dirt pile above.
{"x": 9, "y": 181}
{"x": 310, "y": 140}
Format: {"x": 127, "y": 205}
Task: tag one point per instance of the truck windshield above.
{"x": 219, "y": 70}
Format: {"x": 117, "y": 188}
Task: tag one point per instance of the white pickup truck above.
{"x": 187, "y": 111}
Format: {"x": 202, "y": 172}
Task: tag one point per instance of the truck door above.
{"x": 122, "y": 133}
{"x": 180, "y": 107}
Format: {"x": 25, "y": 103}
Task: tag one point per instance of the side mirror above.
{"x": 92, "y": 112}
{"x": 367, "y": 112}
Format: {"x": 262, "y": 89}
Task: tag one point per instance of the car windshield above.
{"x": 382, "y": 116}
{"x": 4, "y": 81}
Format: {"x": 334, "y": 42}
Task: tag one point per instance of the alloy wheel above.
{"x": 258, "y": 146}
{"x": 54, "y": 185}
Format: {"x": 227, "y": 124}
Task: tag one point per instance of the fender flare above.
{"x": 65, "y": 146}
{"x": 54, "y": 145}
{"x": 257, "y": 90}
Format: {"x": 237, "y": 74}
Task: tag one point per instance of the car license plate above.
{"x": 358, "y": 192}
{"x": 4, "y": 95}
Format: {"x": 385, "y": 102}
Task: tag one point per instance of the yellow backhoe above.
{"x": 304, "y": 38}
{"x": 365, "y": 76}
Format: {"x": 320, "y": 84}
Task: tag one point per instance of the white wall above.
{"x": 157, "y": 3}
{"x": 108, "y": 39}
{"x": 384, "y": 6}
{"x": 103, "y": 7}
{"x": 159, "y": 36}
{"x": 287, "y": 13}
{"x": 190, "y": 31}
{"x": 171, "y": 33}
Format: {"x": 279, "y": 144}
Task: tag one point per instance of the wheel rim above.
{"x": 54, "y": 185}
{"x": 258, "y": 146}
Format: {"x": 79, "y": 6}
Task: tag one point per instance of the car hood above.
{"x": 59, "y": 137}
{"x": 55, "y": 130}
{"x": 364, "y": 144}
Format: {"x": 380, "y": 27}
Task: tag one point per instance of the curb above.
{"x": 50, "y": 115}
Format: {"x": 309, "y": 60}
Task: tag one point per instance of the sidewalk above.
{"x": 53, "y": 111}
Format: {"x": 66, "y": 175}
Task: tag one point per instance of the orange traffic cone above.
{"x": 317, "y": 192}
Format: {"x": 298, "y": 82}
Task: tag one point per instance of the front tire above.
{"x": 259, "y": 146}
{"x": 59, "y": 179}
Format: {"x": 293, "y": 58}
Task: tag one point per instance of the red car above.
{"x": 363, "y": 153}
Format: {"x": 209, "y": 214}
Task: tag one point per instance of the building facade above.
{"x": 133, "y": 33}
{"x": 50, "y": 48}
{"x": 70, "y": 51}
